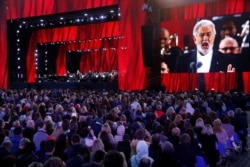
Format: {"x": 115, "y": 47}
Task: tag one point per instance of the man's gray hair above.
{"x": 203, "y": 23}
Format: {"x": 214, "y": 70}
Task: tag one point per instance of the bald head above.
{"x": 164, "y": 37}
{"x": 229, "y": 45}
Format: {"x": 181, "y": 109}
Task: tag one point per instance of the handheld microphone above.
{"x": 199, "y": 64}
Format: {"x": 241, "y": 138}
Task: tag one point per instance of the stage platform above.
{"x": 65, "y": 85}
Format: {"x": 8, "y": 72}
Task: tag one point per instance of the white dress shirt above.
{"x": 205, "y": 60}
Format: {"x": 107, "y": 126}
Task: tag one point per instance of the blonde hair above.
{"x": 207, "y": 129}
{"x": 217, "y": 125}
{"x": 106, "y": 127}
{"x": 199, "y": 122}
{"x": 97, "y": 145}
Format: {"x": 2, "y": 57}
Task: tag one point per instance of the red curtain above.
{"x": 130, "y": 61}
{"x": 128, "y": 52}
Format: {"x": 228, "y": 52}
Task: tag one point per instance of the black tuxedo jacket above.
{"x": 219, "y": 62}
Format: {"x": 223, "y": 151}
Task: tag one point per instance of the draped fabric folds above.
{"x": 124, "y": 54}
{"x": 220, "y": 82}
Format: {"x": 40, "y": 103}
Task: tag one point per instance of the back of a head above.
{"x": 176, "y": 131}
{"x": 185, "y": 138}
{"x": 49, "y": 145}
{"x": 167, "y": 147}
{"x": 156, "y": 138}
{"x": 113, "y": 159}
{"x": 98, "y": 156}
{"x": 54, "y": 162}
{"x": 140, "y": 134}
{"x": 36, "y": 164}
{"x": 144, "y": 162}
{"x": 18, "y": 130}
{"x": 75, "y": 139}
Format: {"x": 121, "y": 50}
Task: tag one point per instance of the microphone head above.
{"x": 199, "y": 64}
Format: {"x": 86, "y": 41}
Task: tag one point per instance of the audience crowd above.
{"x": 94, "y": 128}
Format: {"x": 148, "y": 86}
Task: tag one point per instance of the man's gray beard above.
{"x": 204, "y": 51}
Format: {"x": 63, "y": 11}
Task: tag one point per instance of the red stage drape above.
{"x": 128, "y": 52}
{"x": 219, "y": 82}
{"x": 130, "y": 61}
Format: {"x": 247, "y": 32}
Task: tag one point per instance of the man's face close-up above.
{"x": 204, "y": 39}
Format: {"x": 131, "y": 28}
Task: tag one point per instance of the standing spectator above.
{"x": 208, "y": 142}
{"x": 185, "y": 152}
{"x": 167, "y": 157}
{"x": 241, "y": 125}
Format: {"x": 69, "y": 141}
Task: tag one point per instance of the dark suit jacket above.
{"x": 219, "y": 62}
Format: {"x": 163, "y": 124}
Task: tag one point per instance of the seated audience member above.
{"x": 209, "y": 142}
{"x": 22, "y": 144}
{"x": 29, "y": 129}
{"x": 229, "y": 45}
{"x": 124, "y": 146}
{"x": 113, "y": 159}
{"x": 75, "y": 147}
{"x": 185, "y": 152}
{"x": 144, "y": 162}
{"x": 108, "y": 145}
{"x": 97, "y": 159}
{"x": 167, "y": 156}
{"x": 220, "y": 132}
{"x": 120, "y": 131}
{"x": 49, "y": 151}
{"x": 97, "y": 145}
{"x": 82, "y": 157}
{"x": 155, "y": 147}
{"x": 229, "y": 128}
{"x": 175, "y": 135}
{"x": 142, "y": 151}
{"x": 54, "y": 162}
{"x": 8, "y": 161}
{"x": 36, "y": 164}
{"x": 28, "y": 156}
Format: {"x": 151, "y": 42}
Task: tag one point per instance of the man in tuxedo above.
{"x": 204, "y": 58}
